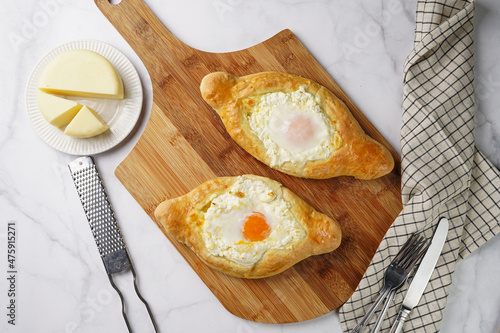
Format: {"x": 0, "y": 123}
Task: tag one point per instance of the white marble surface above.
{"x": 61, "y": 284}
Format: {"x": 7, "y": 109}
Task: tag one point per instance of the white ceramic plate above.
{"x": 120, "y": 115}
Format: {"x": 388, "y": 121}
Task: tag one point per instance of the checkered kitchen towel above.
{"x": 443, "y": 174}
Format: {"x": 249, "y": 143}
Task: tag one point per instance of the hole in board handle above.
{"x": 115, "y": 2}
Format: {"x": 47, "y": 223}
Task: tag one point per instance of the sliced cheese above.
{"x": 58, "y": 111}
{"x": 82, "y": 73}
{"x": 86, "y": 124}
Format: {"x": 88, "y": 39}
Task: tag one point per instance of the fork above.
{"x": 395, "y": 275}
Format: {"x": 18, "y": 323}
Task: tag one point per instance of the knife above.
{"x": 421, "y": 278}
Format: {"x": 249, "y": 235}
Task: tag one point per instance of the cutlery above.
{"x": 422, "y": 276}
{"x": 378, "y": 323}
{"x": 397, "y": 273}
{"x": 385, "y": 307}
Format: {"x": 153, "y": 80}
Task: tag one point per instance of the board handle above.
{"x": 142, "y": 30}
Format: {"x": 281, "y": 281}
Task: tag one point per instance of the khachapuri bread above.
{"x": 294, "y": 125}
{"x": 247, "y": 226}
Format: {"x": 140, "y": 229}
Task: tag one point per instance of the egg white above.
{"x": 222, "y": 227}
{"x": 273, "y": 113}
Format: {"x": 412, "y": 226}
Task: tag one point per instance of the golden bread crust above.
{"x": 182, "y": 218}
{"x": 359, "y": 155}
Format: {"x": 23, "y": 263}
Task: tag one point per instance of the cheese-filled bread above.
{"x": 247, "y": 226}
{"x": 294, "y": 125}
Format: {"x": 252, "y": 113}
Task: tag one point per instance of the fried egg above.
{"x": 248, "y": 220}
{"x": 293, "y": 127}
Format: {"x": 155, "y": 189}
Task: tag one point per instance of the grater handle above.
{"x": 124, "y": 314}
{"x": 136, "y": 287}
{"x": 143, "y": 300}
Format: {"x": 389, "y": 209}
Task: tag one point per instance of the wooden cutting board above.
{"x": 185, "y": 144}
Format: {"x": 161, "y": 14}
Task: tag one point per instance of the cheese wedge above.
{"x": 58, "y": 111}
{"x": 82, "y": 73}
{"x": 86, "y": 124}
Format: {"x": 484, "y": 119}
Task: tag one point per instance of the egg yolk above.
{"x": 255, "y": 227}
{"x": 299, "y": 130}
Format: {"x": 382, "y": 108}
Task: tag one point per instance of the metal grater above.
{"x": 104, "y": 226}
